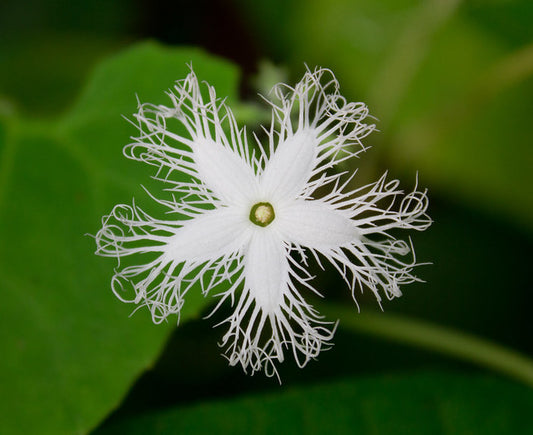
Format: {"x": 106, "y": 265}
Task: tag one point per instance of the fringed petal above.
{"x": 376, "y": 259}
{"x": 204, "y": 251}
{"x": 271, "y": 316}
{"x": 315, "y": 224}
{"x": 328, "y": 131}
{"x": 197, "y": 137}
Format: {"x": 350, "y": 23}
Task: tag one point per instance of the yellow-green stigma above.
{"x": 262, "y": 214}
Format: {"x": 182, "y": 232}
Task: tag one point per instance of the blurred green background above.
{"x": 451, "y": 85}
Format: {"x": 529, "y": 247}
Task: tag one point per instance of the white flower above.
{"x": 239, "y": 212}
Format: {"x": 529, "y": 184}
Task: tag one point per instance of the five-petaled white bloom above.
{"x": 252, "y": 216}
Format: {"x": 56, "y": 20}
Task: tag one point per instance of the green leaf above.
{"x": 63, "y": 65}
{"x": 69, "y": 349}
{"x": 426, "y": 403}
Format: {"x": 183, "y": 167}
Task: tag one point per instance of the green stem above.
{"x": 437, "y": 338}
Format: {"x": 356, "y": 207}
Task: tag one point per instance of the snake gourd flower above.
{"x": 252, "y": 216}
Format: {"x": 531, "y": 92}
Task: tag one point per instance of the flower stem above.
{"x": 437, "y": 338}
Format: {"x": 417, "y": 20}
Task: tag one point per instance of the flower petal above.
{"x": 209, "y": 236}
{"x": 315, "y": 224}
{"x": 224, "y": 172}
{"x": 266, "y": 269}
{"x": 290, "y": 167}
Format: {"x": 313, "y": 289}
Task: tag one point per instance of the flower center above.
{"x": 262, "y": 214}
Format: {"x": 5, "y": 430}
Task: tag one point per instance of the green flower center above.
{"x": 262, "y": 214}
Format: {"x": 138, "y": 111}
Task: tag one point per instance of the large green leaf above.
{"x": 69, "y": 350}
{"x": 426, "y": 403}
